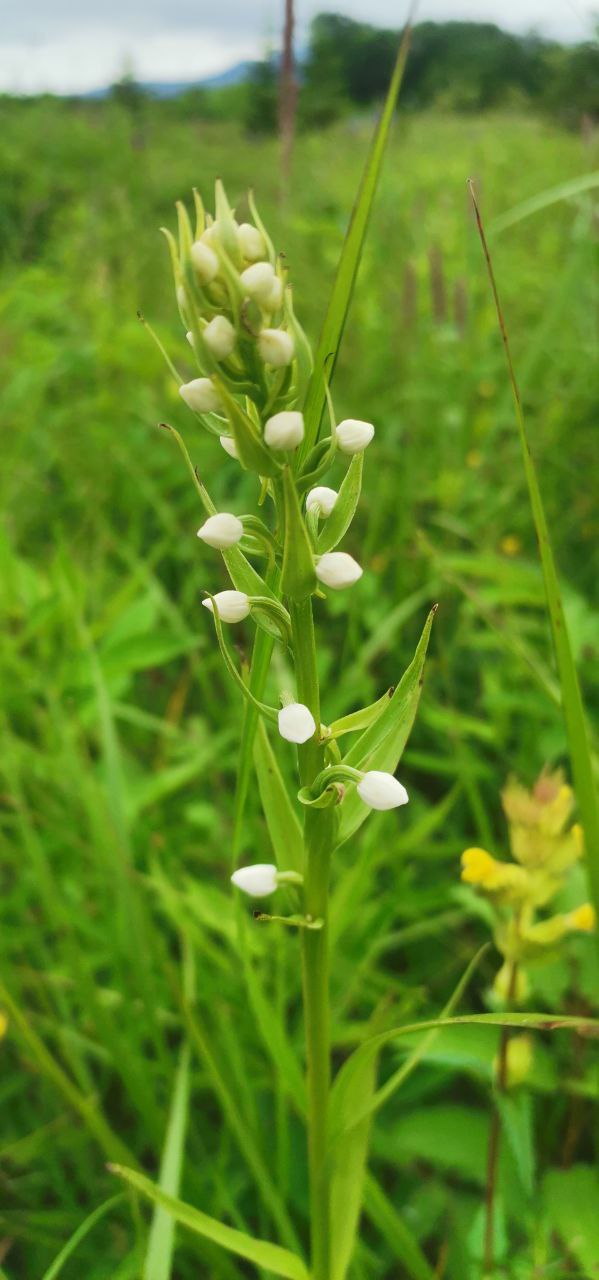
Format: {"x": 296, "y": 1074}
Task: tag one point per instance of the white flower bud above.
{"x": 229, "y": 446}
{"x": 276, "y": 347}
{"x": 284, "y": 430}
{"x": 275, "y": 297}
{"x": 205, "y": 261}
{"x": 201, "y": 395}
{"x": 258, "y": 281}
{"x": 381, "y": 790}
{"x": 322, "y": 498}
{"x": 296, "y": 722}
{"x": 231, "y": 606}
{"x": 214, "y": 232}
{"x": 257, "y": 881}
{"x": 221, "y": 530}
{"x": 337, "y": 569}
{"x": 219, "y": 337}
{"x": 251, "y": 242}
{"x": 353, "y": 436}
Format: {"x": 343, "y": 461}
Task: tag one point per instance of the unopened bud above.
{"x": 353, "y": 435}
{"x": 276, "y": 347}
{"x": 258, "y": 281}
{"x": 284, "y": 430}
{"x": 275, "y": 297}
{"x": 381, "y": 790}
{"x": 296, "y": 722}
{"x": 321, "y": 498}
{"x": 337, "y": 569}
{"x": 219, "y": 337}
{"x": 229, "y": 446}
{"x": 251, "y": 242}
{"x": 258, "y": 881}
{"x": 221, "y": 530}
{"x": 231, "y": 606}
{"x": 582, "y": 919}
{"x": 201, "y": 395}
{"x": 205, "y": 261}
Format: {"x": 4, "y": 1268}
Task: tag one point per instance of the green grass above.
{"x": 121, "y": 730}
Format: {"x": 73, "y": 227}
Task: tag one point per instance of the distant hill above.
{"x": 236, "y": 74}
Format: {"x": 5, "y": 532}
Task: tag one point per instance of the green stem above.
{"x": 319, "y": 826}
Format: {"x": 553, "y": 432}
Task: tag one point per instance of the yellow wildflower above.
{"x": 582, "y": 918}
{"x": 510, "y": 545}
{"x": 481, "y": 868}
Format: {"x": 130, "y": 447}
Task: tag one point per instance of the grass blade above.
{"x": 264, "y": 1254}
{"x": 158, "y": 1260}
{"x": 334, "y": 322}
{"x": 83, "y": 1229}
{"x": 576, "y": 729}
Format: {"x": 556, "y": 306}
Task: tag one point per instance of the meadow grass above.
{"x": 119, "y": 743}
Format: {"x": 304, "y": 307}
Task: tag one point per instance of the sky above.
{"x": 70, "y": 46}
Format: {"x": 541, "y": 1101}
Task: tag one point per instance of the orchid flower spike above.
{"x": 276, "y": 347}
{"x": 353, "y": 436}
{"x": 201, "y": 395}
{"x": 219, "y": 337}
{"x": 221, "y": 530}
{"x": 231, "y": 606}
{"x": 337, "y": 569}
{"x": 296, "y": 722}
{"x": 284, "y": 430}
{"x": 381, "y": 790}
{"x": 258, "y": 881}
{"x": 321, "y": 499}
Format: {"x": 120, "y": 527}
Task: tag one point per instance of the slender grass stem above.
{"x": 319, "y": 828}
{"x": 495, "y": 1139}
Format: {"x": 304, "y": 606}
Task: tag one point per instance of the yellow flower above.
{"x": 582, "y": 918}
{"x": 480, "y": 868}
{"x": 510, "y": 545}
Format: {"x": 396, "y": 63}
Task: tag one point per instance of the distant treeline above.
{"x": 456, "y": 66}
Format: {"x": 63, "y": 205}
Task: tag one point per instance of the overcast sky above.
{"x": 70, "y": 45}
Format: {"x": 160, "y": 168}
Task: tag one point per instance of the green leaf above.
{"x": 395, "y": 1231}
{"x": 571, "y": 1199}
{"x": 261, "y": 1252}
{"x": 253, "y": 453}
{"x": 345, "y": 1112}
{"x": 382, "y": 743}
{"x": 572, "y": 705}
{"x": 515, "y": 1109}
{"x": 261, "y": 707}
{"x": 158, "y": 1259}
{"x": 361, "y": 719}
{"x": 337, "y": 524}
{"x": 348, "y": 1172}
{"x": 82, "y": 1231}
{"x": 298, "y": 578}
{"x": 334, "y": 323}
{"x": 281, "y": 819}
{"x": 341, "y": 1114}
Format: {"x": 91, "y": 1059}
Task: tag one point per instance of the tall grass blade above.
{"x": 83, "y": 1229}
{"x": 334, "y": 322}
{"x": 576, "y": 729}
{"x": 159, "y": 1256}
{"x": 278, "y": 1261}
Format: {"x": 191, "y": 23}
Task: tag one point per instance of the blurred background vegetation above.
{"x": 120, "y": 728}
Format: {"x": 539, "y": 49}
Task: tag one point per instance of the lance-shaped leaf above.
{"x": 281, "y": 1262}
{"x": 253, "y": 454}
{"x": 298, "y": 578}
{"x": 226, "y": 223}
{"x": 343, "y": 512}
{"x": 362, "y": 718}
{"x": 382, "y": 743}
{"x": 348, "y": 1173}
{"x": 342, "y": 1113}
{"x": 281, "y": 819}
